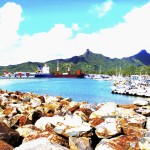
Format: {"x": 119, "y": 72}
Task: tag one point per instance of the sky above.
{"x": 43, "y": 30}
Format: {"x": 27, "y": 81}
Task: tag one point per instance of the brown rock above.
{"x": 13, "y": 96}
{"x": 119, "y": 143}
{"x": 86, "y": 111}
{"x": 42, "y": 99}
{"x": 23, "y": 120}
{"x": 128, "y": 106}
{"x": 131, "y": 130}
{"x": 8, "y": 135}
{"x": 51, "y": 107}
{"x": 14, "y": 120}
{"x": 73, "y": 106}
{"x": 110, "y": 127}
{"x": 52, "y": 136}
{"x": 7, "y": 111}
{"x": 26, "y": 130}
{"x": 135, "y": 129}
{"x": 17, "y": 92}
{"x": 5, "y": 146}
{"x": 135, "y": 120}
{"x": 60, "y": 97}
{"x": 127, "y": 142}
{"x": 36, "y": 115}
{"x": 72, "y": 109}
{"x": 64, "y": 102}
{"x": 2, "y": 91}
{"x": 95, "y": 121}
{"x": 49, "y": 115}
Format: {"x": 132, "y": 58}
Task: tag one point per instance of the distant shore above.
{"x": 29, "y": 120}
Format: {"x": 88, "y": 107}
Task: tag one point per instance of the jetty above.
{"x": 133, "y": 86}
{"x": 32, "y": 121}
{"x": 132, "y": 92}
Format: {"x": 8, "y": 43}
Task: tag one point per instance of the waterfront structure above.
{"x": 23, "y": 75}
{"x": 137, "y": 85}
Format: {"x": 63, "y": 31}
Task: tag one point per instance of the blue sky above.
{"x": 41, "y": 30}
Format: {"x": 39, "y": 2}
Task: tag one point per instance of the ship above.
{"x": 44, "y": 72}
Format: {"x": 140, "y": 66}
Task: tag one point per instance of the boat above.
{"x": 68, "y": 75}
{"x": 44, "y": 72}
{"x": 136, "y": 85}
{"x": 6, "y": 75}
{"x": 101, "y": 77}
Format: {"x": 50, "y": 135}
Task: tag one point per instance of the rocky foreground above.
{"x": 30, "y": 121}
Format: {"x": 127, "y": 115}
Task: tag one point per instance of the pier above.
{"x": 133, "y": 86}
{"x": 131, "y": 93}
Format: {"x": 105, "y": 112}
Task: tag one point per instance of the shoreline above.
{"x": 30, "y": 120}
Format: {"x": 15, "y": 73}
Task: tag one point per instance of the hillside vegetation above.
{"x": 90, "y": 62}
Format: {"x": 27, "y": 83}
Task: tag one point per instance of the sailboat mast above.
{"x": 116, "y": 72}
{"x": 69, "y": 69}
{"x": 57, "y": 67}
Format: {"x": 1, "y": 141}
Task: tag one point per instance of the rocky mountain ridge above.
{"x": 89, "y": 62}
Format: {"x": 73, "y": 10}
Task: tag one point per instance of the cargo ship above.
{"x": 45, "y": 73}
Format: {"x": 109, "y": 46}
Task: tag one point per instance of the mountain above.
{"x": 89, "y": 62}
{"x": 142, "y": 56}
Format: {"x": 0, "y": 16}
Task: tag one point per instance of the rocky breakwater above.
{"x": 30, "y": 121}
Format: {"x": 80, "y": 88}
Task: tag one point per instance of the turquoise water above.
{"x": 78, "y": 89}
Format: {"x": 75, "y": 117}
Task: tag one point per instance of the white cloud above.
{"x": 75, "y": 27}
{"x": 45, "y": 46}
{"x": 102, "y": 9}
{"x": 10, "y": 18}
{"x": 124, "y": 39}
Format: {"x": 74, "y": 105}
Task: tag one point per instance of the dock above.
{"x": 132, "y": 93}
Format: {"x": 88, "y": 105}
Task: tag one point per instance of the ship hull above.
{"x": 43, "y": 75}
{"x": 68, "y": 76}
{"x": 58, "y": 76}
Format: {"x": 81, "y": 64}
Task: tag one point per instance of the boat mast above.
{"x": 69, "y": 69}
{"x": 57, "y": 67}
{"x": 120, "y": 73}
{"x": 116, "y": 72}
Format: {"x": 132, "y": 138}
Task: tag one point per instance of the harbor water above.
{"x": 92, "y": 91}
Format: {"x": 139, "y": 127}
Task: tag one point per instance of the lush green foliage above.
{"x": 89, "y": 63}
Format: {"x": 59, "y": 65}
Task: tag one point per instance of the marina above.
{"x": 136, "y": 85}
